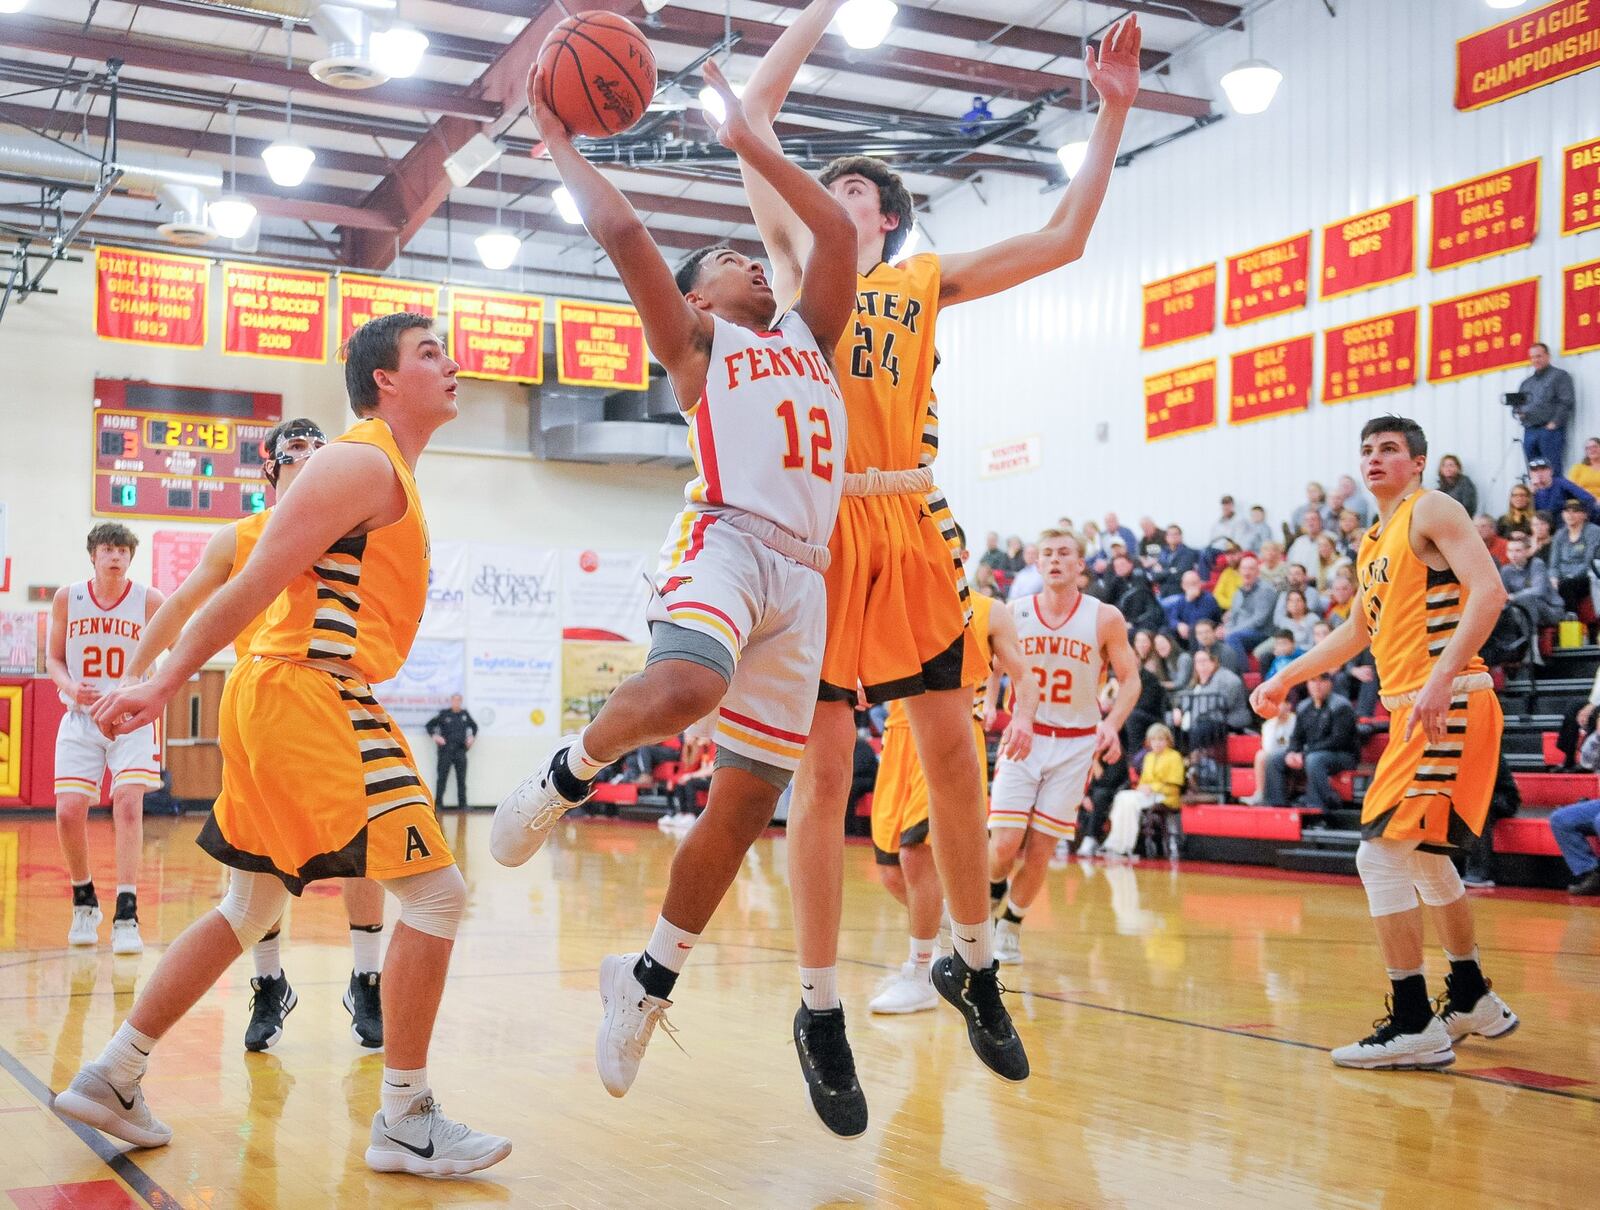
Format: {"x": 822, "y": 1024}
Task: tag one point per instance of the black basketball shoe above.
{"x": 272, "y": 1001}
{"x": 364, "y": 1002}
{"x": 830, "y": 1071}
{"x": 976, "y": 996}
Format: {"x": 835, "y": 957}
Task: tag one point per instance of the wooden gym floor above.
{"x": 1176, "y": 1020}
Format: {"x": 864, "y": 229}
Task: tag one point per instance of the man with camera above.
{"x": 1544, "y": 404}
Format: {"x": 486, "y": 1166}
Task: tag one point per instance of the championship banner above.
{"x": 511, "y": 593}
{"x": 1180, "y": 307}
{"x": 435, "y": 669}
{"x": 1580, "y": 308}
{"x": 1271, "y": 380}
{"x": 1580, "y": 187}
{"x": 1482, "y": 331}
{"x": 1370, "y": 357}
{"x": 497, "y": 336}
{"x": 512, "y": 688}
{"x": 449, "y": 572}
{"x": 362, "y": 298}
{"x": 277, "y": 313}
{"x": 1269, "y": 280}
{"x": 1483, "y": 217}
{"x": 1527, "y": 52}
{"x": 589, "y": 672}
{"x": 600, "y": 345}
{"x": 1370, "y": 249}
{"x": 604, "y": 594}
{"x": 150, "y": 298}
{"x": 1180, "y": 401}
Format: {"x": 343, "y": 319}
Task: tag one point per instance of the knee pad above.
{"x": 776, "y": 777}
{"x": 252, "y": 905}
{"x": 433, "y": 902}
{"x": 1436, "y": 879}
{"x": 1385, "y": 869}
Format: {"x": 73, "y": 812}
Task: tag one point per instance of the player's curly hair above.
{"x": 112, "y": 533}
{"x": 893, "y": 197}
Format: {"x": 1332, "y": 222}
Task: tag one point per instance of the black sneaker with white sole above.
{"x": 976, "y": 996}
{"x": 830, "y": 1071}
{"x": 272, "y": 1001}
{"x": 363, "y": 1000}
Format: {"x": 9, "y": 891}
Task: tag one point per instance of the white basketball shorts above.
{"x": 1042, "y": 791}
{"x": 83, "y": 754}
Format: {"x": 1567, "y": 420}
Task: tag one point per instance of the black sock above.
{"x": 572, "y": 787}
{"x": 127, "y": 906}
{"x": 1011, "y": 916}
{"x": 1412, "y": 1009}
{"x": 1467, "y": 984}
{"x": 658, "y": 980}
{"x": 84, "y": 896}
{"x": 997, "y": 890}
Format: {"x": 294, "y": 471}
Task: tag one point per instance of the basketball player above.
{"x": 285, "y": 450}
{"x": 94, "y": 627}
{"x": 737, "y": 619}
{"x": 900, "y": 801}
{"x": 317, "y": 781}
{"x": 895, "y": 597}
{"x": 1068, "y": 641}
{"x": 1429, "y": 596}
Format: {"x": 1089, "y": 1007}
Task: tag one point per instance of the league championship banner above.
{"x": 150, "y": 298}
{"x": 497, "y": 336}
{"x": 600, "y": 345}
{"x": 604, "y": 594}
{"x": 280, "y": 314}
{"x": 1180, "y": 307}
{"x": 1580, "y": 308}
{"x": 1485, "y": 216}
{"x": 512, "y": 687}
{"x": 1527, "y": 52}
{"x": 1580, "y": 187}
{"x": 1271, "y": 380}
{"x": 362, "y": 298}
{"x": 1482, "y": 331}
{"x": 1180, "y": 401}
{"x": 1370, "y": 249}
{"x": 1370, "y": 357}
{"x": 1268, "y": 280}
{"x": 435, "y": 669}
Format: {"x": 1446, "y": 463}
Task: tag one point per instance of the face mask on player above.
{"x": 294, "y": 445}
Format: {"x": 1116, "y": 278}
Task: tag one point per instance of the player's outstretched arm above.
{"x": 1111, "y": 629}
{"x": 828, "y": 282}
{"x": 1335, "y": 651}
{"x": 162, "y": 630}
{"x": 1017, "y": 741}
{"x": 1114, "y": 72}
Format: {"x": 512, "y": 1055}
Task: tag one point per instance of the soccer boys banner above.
{"x": 1580, "y": 187}
{"x": 1482, "y": 331}
{"x": 1180, "y": 401}
{"x": 1269, "y": 280}
{"x": 1580, "y": 308}
{"x": 1369, "y": 249}
{"x": 1485, "y": 216}
{"x": 280, "y": 314}
{"x": 362, "y": 298}
{"x": 497, "y": 336}
{"x": 1270, "y": 380}
{"x": 1180, "y": 307}
{"x": 1530, "y": 50}
{"x": 150, "y": 298}
{"x": 1370, "y": 357}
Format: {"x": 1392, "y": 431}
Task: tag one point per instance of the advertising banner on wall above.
{"x": 511, "y": 593}
{"x": 512, "y": 686}
{"x": 604, "y": 594}
{"x": 23, "y": 641}
{"x": 1580, "y": 187}
{"x": 1271, "y": 380}
{"x": 174, "y": 553}
{"x": 1370, "y": 357}
{"x": 1268, "y": 280}
{"x": 600, "y": 345}
{"x": 1485, "y": 216}
{"x": 280, "y": 314}
{"x": 1371, "y": 249}
{"x": 1482, "y": 331}
{"x": 497, "y": 336}
{"x": 362, "y": 298}
{"x": 1180, "y": 401}
{"x": 449, "y": 572}
{"x": 1180, "y": 307}
{"x": 589, "y": 672}
{"x": 1527, "y": 52}
{"x": 434, "y": 670}
{"x": 1580, "y": 308}
{"x": 150, "y": 298}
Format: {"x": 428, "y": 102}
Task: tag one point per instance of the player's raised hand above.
{"x": 125, "y": 710}
{"x": 1267, "y": 697}
{"x": 735, "y": 130}
{"x": 551, "y": 127}
{"x": 1113, "y": 66}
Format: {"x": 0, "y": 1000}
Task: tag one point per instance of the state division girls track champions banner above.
{"x": 150, "y": 298}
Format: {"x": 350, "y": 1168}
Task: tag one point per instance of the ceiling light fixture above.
{"x": 398, "y": 50}
{"x": 711, "y": 101}
{"x": 865, "y": 23}
{"x": 1507, "y": 3}
{"x": 498, "y": 248}
{"x": 231, "y": 214}
{"x": 1252, "y": 84}
{"x": 13, "y": 6}
{"x": 287, "y": 161}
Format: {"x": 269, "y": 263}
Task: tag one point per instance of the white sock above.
{"x": 1397, "y": 975}
{"x": 1011, "y": 906}
{"x": 127, "y": 1055}
{"x": 366, "y": 948}
{"x": 819, "y": 987}
{"x": 264, "y": 954}
{"x": 127, "y": 888}
{"x": 1472, "y": 957}
{"x": 922, "y": 950}
{"x": 582, "y": 765}
{"x": 974, "y": 943}
{"x": 670, "y": 945}
{"x": 402, "y": 1090}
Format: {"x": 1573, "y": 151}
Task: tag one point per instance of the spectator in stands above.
{"x": 639, "y": 766}
{"x": 1148, "y": 711}
{"x": 1548, "y": 401}
{"x": 1303, "y": 550}
{"x": 1228, "y": 527}
{"x": 1176, "y": 558}
{"x": 1256, "y": 532}
{"x": 1341, "y": 597}
{"x": 1274, "y": 567}
{"x": 1205, "y": 639}
{"x": 1572, "y": 554}
{"x": 1586, "y": 474}
{"x": 1280, "y": 653}
{"x": 992, "y": 556}
{"x": 1577, "y": 724}
{"x": 1115, "y": 529}
{"x": 1249, "y": 619}
{"x": 1504, "y": 802}
{"x": 1454, "y": 483}
{"x": 1149, "y": 542}
{"x": 1014, "y": 560}
{"x": 1161, "y": 779}
{"x": 1352, "y": 497}
{"x": 1316, "y": 502}
{"x": 863, "y": 768}
{"x": 1126, "y": 587}
{"x": 1528, "y": 581}
{"x": 983, "y": 580}
{"x": 1275, "y": 735}
{"x": 1330, "y": 561}
{"x": 1094, "y": 555}
{"x": 1297, "y": 581}
{"x": 1105, "y": 779}
{"x": 1029, "y": 580}
{"x": 1227, "y": 579}
{"x": 1490, "y": 533}
{"x": 1174, "y": 667}
{"x": 1519, "y": 510}
{"x": 1297, "y": 620}
{"x": 1143, "y": 644}
{"x": 1347, "y": 533}
{"x": 1192, "y": 604}
{"x": 1552, "y": 491}
{"x": 1325, "y": 743}
{"x": 1544, "y": 529}
{"x": 1572, "y": 827}
{"x": 1212, "y": 706}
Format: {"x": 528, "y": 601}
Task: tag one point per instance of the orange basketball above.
{"x": 599, "y": 73}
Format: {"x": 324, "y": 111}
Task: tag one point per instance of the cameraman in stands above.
{"x": 1546, "y": 408}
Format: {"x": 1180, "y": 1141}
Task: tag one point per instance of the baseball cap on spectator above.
{"x": 1574, "y": 505}
{"x": 1535, "y": 463}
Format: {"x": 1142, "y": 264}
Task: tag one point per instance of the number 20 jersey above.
{"x": 101, "y": 637}
{"x": 1065, "y": 659}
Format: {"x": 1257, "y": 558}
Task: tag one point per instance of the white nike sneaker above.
{"x": 1490, "y": 1017}
{"x": 125, "y": 937}
{"x": 911, "y": 991}
{"x": 95, "y": 1101}
{"x": 524, "y": 817}
{"x": 85, "y": 929}
{"x": 1089, "y": 847}
{"x": 1007, "y": 943}
{"x": 629, "y": 1017}
{"x": 426, "y": 1143}
{"x": 1388, "y": 1046}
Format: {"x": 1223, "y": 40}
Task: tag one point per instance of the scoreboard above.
{"x": 188, "y": 453}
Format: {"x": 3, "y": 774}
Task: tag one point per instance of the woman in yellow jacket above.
{"x": 1161, "y": 780}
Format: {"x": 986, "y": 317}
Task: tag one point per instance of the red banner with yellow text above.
{"x": 1180, "y": 307}
{"x": 1485, "y": 216}
{"x": 276, "y": 313}
{"x": 497, "y": 336}
{"x": 1527, "y": 52}
{"x": 362, "y": 298}
{"x": 1580, "y": 187}
{"x": 1580, "y": 308}
{"x": 150, "y": 298}
{"x": 1482, "y": 331}
{"x": 1271, "y": 380}
{"x": 1369, "y": 249}
{"x": 1268, "y": 280}
{"x": 600, "y": 345}
{"x": 1180, "y": 401}
{"x": 1370, "y": 357}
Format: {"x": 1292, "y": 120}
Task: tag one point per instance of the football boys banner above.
{"x": 1485, "y": 216}
{"x": 1180, "y": 307}
{"x": 1370, "y": 249}
{"x": 1580, "y": 187}
{"x": 1180, "y": 401}
{"x": 1271, "y": 380}
{"x": 1370, "y": 357}
{"x": 1269, "y": 280}
{"x": 1482, "y": 331}
{"x": 1528, "y": 51}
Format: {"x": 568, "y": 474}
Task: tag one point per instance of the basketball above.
{"x": 599, "y": 72}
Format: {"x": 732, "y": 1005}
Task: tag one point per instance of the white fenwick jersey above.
{"x": 1065, "y": 659}
{"x": 768, "y": 435}
{"x": 101, "y": 636}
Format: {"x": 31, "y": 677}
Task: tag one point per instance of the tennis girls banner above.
{"x": 1580, "y": 187}
{"x": 497, "y": 336}
{"x": 1580, "y": 308}
{"x": 1180, "y": 307}
{"x": 1527, "y": 52}
{"x": 1482, "y": 331}
{"x": 1269, "y": 280}
{"x": 362, "y": 298}
{"x": 276, "y": 313}
{"x": 1485, "y": 216}
{"x": 1270, "y": 380}
{"x": 1370, "y": 357}
{"x": 1180, "y": 401}
{"x": 1370, "y": 249}
{"x": 600, "y": 345}
{"x": 150, "y": 298}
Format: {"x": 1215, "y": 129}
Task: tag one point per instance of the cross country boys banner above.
{"x": 1482, "y": 331}
{"x": 1269, "y": 280}
{"x": 1180, "y": 307}
{"x": 1530, "y": 50}
{"x": 1370, "y": 249}
{"x": 1180, "y": 401}
{"x": 1271, "y": 380}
